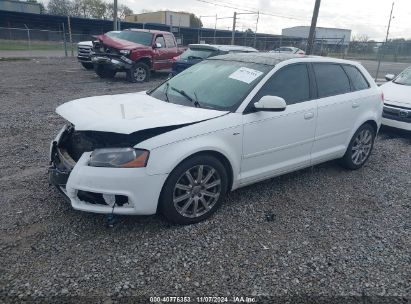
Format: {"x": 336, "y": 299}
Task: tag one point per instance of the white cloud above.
{"x": 363, "y": 17}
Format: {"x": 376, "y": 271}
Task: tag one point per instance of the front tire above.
{"x": 194, "y": 190}
{"x": 87, "y": 65}
{"x": 360, "y": 147}
{"x": 139, "y": 72}
{"x": 104, "y": 72}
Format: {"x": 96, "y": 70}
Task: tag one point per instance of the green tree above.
{"x": 60, "y": 7}
{"x": 124, "y": 11}
{"x": 195, "y": 21}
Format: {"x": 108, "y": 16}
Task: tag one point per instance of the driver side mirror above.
{"x": 270, "y": 103}
{"x": 157, "y": 45}
{"x": 389, "y": 77}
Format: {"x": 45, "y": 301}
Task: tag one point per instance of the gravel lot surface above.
{"x": 323, "y": 231}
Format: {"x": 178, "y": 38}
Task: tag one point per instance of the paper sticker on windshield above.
{"x": 245, "y": 75}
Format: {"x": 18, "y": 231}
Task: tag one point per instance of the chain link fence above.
{"x": 26, "y": 39}
{"x": 63, "y": 43}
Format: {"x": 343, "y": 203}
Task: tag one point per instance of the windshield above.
{"x": 197, "y": 54}
{"x": 215, "y": 84}
{"x": 112, "y": 33}
{"x": 143, "y": 38}
{"x": 404, "y": 77}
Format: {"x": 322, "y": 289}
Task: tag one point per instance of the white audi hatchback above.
{"x": 224, "y": 123}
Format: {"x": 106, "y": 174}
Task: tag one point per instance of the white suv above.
{"x": 224, "y": 123}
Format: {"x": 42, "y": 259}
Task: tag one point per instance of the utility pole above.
{"x": 233, "y": 34}
{"x": 310, "y": 44}
{"x": 385, "y": 44}
{"x": 255, "y": 33}
{"x": 215, "y": 28}
{"x": 115, "y": 16}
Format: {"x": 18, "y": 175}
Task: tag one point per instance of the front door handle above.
{"x": 355, "y": 104}
{"x": 308, "y": 115}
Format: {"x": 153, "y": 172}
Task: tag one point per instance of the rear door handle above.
{"x": 308, "y": 115}
{"x": 355, "y": 104}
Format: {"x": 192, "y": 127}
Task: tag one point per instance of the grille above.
{"x": 84, "y": 51}
{"x": 111, "y": 51}
{"x": 397, "y": 113}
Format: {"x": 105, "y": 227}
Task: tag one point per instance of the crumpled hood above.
{"x": 129, "y": 113}
{"x": 397, "y": 94}
{"x": 118, "y": 43}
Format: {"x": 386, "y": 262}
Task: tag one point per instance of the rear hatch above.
{"x": 191, "y": 57}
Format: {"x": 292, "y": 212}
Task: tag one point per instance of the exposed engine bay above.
{"x": 75, "y": 143}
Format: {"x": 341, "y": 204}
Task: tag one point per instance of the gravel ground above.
{"x": 321, "y": 232}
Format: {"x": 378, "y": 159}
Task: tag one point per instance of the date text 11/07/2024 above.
{"x": 233, "y": 299}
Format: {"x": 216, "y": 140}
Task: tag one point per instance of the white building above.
{"x": 329, "y": 36}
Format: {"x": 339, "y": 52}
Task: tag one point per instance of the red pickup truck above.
{"x": 135, "y": 51}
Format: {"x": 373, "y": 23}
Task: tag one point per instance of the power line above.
{"x": 223, "y": 4}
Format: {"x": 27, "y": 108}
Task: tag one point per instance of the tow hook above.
{"x": 110, "y": 220}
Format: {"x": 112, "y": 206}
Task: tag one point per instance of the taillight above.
{"x": 382, "y": 96}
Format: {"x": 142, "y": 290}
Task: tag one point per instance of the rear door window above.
{"x": 331, "y": 79}
{"x": 358, "y": 80}
{"x": 169, "y": 41}
{"x": 197, "y": 53}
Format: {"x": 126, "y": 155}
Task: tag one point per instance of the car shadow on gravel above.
{"x": 387, "y": 133}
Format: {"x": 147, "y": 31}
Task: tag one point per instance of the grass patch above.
{"x": 11, "y": 45}
{"x": 8, "y": 59}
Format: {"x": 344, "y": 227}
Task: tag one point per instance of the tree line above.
{"x": 97, "y": 9}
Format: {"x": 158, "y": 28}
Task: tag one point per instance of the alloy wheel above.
{"x": 361, "y": 147}
{"x": 197, "y": 191}
{"x": 140, "y": 74}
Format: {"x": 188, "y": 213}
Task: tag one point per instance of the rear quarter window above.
{"x": 169, "y": 41}
{"x": 358, "y": 80}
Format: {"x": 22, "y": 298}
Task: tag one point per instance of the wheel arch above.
{"x": 221, "y": 157}
{"x": 367, "y": 119}
{"x": 216, "y": 154}
{"x": 145, "y": 60}
{"x": 373, "y": 123}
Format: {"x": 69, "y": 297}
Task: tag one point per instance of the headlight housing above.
{"x": 125, "y": 52}
{"x": 119, "y": 158}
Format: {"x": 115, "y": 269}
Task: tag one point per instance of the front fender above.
{"x": 227, "y": 142}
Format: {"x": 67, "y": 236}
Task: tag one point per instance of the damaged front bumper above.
{"x": 117, "y": 62}
{"x": 103, "y": 190}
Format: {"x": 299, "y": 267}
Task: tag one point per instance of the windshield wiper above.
{"x": 188, "y": 97}
{"x": 195, "y": 57}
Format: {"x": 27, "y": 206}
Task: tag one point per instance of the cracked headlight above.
{"x": 119, "y": 158}
{"x": 125, "y": 52}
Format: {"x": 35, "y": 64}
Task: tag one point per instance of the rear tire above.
{"x": 104, "y": 72}
{"x": 194, "y": 190}
{"x": 87, "y": 65}
{"x": 139, "y": 72}
{"x": 360, "y": 148}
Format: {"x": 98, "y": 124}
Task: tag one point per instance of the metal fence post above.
{"x": 28, "y": 37}
{"x": 64, "y": 39}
